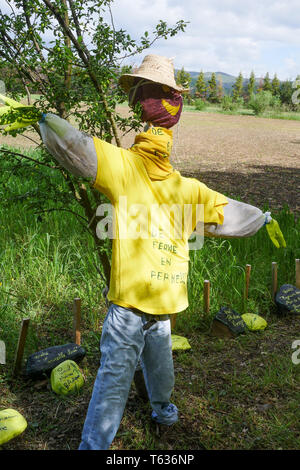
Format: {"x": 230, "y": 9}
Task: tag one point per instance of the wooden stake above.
{"x": 206, "y": 296}
{"x": 76, "y": 320}
{"x": 274, "y": 279}
{"x": 247, "y": 281}
{"x": 21, "y": 346}
{"x": 173, "y": 320}
{"x": 297, "y": 273}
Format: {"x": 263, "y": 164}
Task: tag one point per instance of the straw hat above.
{"x": 155, "y": 68}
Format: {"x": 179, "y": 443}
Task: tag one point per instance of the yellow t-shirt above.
{"x": 150, "y": 255}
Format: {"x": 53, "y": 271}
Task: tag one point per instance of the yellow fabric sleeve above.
{"x": 111, "y": 169}
{"x": 214, "y": 203}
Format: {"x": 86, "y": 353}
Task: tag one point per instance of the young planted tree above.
{"x": 237, "y": 89}
{"x": 212, "y": 89}
{"x": 184, "y": 79}
{"x": 275, "y": 85}
{"x": 201, "y": 86}
{"x": 66, "y": 52}
{"x": 251, "y": 84}
{"x": 267, "y": 85}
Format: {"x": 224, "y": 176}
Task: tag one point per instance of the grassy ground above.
{"x": 243, "y": 111}
{"x": 238, "y": 393}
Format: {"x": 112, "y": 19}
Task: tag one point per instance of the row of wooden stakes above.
{"x": 274, "y": 286}
{"x": 206, "y": 307}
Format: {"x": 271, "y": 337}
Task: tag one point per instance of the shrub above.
{"x": 227, "y": 104}
{"x": 260, "y": 102}
{"x": 200, "y": 105}
{"x": 275, "y": 103}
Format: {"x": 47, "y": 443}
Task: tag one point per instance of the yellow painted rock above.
{"x": 12, "y": 423}
{"x": 254, "y": 322}
{"x": 66, "y": 378}
{"x": 179, "y": 342}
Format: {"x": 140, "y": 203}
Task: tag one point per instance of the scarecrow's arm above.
{"x": 73, "y": 149}
{"x": 240, "y": 220}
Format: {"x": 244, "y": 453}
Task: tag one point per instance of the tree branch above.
{"x": 16, "y": 154}
{"x": 86, "y": 58}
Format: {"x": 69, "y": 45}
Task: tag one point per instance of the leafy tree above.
{"x": 212, "y": 89}
{"x": 238, "y": 87}
{"x": 67, "y": 52}
{"x": 267, "y": 86}
{"x": 275, "y": 85}
{"x": 201, "y": 86}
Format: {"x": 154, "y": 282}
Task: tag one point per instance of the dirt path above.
{"x": 254, "y": 158}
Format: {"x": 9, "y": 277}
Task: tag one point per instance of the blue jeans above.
{"x": 123, "y": 343}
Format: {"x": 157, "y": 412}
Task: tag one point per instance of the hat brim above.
{"x": 127, "y": 80}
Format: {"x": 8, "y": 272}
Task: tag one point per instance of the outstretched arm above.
{"x": 240, "y": 220}
{"x": 244, "y": 220}
{"x": 73, "y": 149}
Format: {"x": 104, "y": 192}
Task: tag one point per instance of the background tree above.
{"x": 260, "y": 85}
{"x": 66, "y": 52}
{"x": 275, "y": 86}
{"x": 237, "y": 88}
{"x": 220, "y": 90}
{"x": 267, "y": 86}
{"x": 184, "y": 79}
{"x": 251, "y": 84}
{"x": 201, "y": 86}
{"x": 212, "y": 89}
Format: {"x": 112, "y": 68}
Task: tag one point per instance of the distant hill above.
{"x": 227, "y": 79}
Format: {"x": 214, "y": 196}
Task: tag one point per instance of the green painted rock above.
{"x": 179, "y": 342}
{"x": 254, "y": 322}
{"x": 42, "y": 362}
{"x": 12, "y": 423}
{"x": 288, "y": 299}
{"x": 66, "y": 378}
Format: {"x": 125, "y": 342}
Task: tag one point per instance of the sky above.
{"x": 230, "y": 36}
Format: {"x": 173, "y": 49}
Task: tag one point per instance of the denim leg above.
{"x": 158, "y": 369}
{"x": 121, "y": 344}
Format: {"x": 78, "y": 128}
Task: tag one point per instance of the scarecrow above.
{"x": 149, "y": 267}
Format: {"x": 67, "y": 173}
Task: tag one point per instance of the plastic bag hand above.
{"x": 275, "y": 234}
{"x": 17, "y": 115}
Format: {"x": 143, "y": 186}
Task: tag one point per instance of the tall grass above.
{"x": 46, "y": 262}
{"x": 223, "y": 262}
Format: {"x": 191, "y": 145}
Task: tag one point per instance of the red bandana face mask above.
{"x": 161, "y": 104}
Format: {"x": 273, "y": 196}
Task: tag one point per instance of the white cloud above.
{"x": 223, "y": 35}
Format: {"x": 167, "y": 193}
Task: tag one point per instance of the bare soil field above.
{"x": 255, "y": 159}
